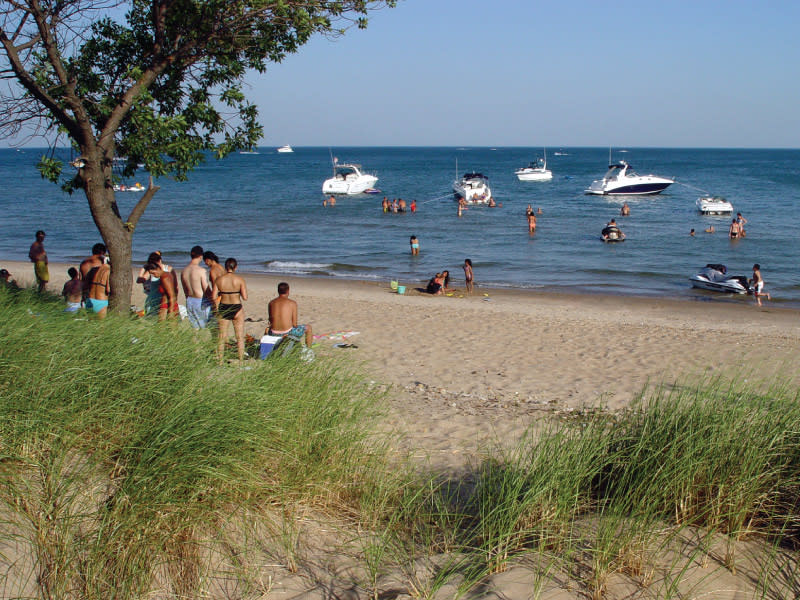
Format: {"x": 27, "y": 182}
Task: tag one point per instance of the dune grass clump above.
{"x": 122, "y": 444}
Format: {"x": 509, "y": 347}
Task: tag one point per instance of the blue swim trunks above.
{"x": 197, "y": 311}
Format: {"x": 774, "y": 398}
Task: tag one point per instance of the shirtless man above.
{"x": 214, "y": 268}
{"x": 194, "y": 280}
{"x": 99, "y": 290}
{"x": 757, "y": 283}
{"x": 166, "y": 286}
{"x": 73, "y": 291}
{"x": 283, "y": 316}
{"x": 39, "y": 259}
{"x": 734, "y": 230}
{"x": 531, "y": 223}
{"x": 89, "y": 265}
{"x": 625, "y": 211}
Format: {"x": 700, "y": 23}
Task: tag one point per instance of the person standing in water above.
{"x": 414, "y": 245}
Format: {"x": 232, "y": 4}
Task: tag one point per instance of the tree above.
{"x": 159, "y": 82}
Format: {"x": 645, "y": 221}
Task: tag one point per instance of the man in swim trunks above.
{"x": 734, "y": 230}
{"x": 283, "y": 316}
{"x": 89, "y": 265}
{"x": 39, "y": 259}
{"x": 73, "y": 291}
{"x": 99, "y": 290}
{"x": 194, "y": 279}
{"x": 414, "y": 245}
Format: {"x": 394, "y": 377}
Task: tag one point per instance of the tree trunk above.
{"x": 116, "y": 234}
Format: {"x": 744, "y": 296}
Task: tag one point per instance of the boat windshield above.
{"x": 344, "y": 171}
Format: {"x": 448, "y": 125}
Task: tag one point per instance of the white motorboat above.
{"x": 623, "y": 181}
{"x": 535, "y": 171}
{"x": 348, "y": 179}
{"x": 714, "y": 205}
{"x": 715, "y": 277}
{"x": 284, "y": 149}
{"x": 473, "y": 188}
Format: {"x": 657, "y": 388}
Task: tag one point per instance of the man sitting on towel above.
{"x": 283, "y": 316}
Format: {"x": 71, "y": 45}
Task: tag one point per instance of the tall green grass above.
{"x": 122, "y": 445}
{"x": 132, "y": 465}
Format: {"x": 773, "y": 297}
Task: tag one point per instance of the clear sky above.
{"x": 674, "y": 73}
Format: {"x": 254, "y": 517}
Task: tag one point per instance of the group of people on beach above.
{"x": 440, "y": 283}
{"x": 214, "y": 293}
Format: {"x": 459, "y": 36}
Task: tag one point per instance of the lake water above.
{"x": 266, "y": 210}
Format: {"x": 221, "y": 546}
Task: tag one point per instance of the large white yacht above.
{"x": 622, "y": 181}
{"x": 473, "y": 188}
{"x": 348, "y": 179}
{"x": 535, "y": 171}
{"x": 285, "y": 149}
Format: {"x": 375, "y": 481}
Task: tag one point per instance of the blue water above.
{"x": 266, "y": 210}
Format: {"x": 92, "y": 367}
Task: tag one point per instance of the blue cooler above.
{"x": 268, "y": 343}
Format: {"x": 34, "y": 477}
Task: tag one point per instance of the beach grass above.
{"x": 132, "y": 465}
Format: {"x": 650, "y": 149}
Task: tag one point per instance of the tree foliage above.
{"x": 160, "y": 82}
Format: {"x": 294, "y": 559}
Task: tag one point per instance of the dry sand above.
{"x": 466, "y": 372}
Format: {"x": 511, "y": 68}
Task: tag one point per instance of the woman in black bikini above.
{"x": 231, "y": 291}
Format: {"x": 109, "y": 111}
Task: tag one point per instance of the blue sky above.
{"x": 529, "y": 73}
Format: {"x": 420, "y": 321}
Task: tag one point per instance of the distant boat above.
{"x": 714, "y": 205}
{"x": 348, "y": 179}
{"x": 286, "y": 148}
{"x": 535, "y": 171}
{"x": 248, "y": 152}
{"x": 560, "y": 153}
{"x": 621, "y": 180}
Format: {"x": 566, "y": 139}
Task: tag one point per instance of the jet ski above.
{"x": 715, "y": 277}
{"x": 612, "y": 233}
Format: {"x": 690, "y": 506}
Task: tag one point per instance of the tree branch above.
{"x": 141, "y": 205}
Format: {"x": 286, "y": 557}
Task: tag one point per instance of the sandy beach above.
{"x": 466, "y": 371}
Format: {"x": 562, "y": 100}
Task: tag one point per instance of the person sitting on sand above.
{"x": 435, "y": 285}
{"x": 73, "y": 291}
{"x": 282, "y": 313}
{"x": 446, "y": 281}
{"x": 230, "y": 290}
{"x": 6, "y": 281}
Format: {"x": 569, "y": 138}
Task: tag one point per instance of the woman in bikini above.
{"x": 231, "y": 291}
{"x": 99, "y": 289}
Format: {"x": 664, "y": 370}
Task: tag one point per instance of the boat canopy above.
{"x": 474, "y": 175}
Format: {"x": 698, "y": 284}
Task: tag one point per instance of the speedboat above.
{"x": 473, "y": 188}
{"x": 715, "y": 277}
{"x": 621, "y": 180}
{"x": 714, "y": 205}
{"x": 348, "y": 179}
{"x": 535, "y": 171}
{"x": 286, "y": 148}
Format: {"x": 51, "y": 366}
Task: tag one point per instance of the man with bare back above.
{"x": 89, "y": 266}
{"x": 194, "y": 279}
{"x": 283, "y": 316}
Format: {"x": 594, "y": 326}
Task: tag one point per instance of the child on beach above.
{"x": 757, "y": 284}
{"x": 414, "y": 245}
{"x": 468, "y": 274}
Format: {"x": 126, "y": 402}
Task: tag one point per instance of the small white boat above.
{"x": 137, "y": 187}
{"x": 473, "y": 188}
{"x": 348, "y": 179}
{"x": 284, "y": 149}
{"x": 715, "y": 277}
{"x": 621, "y": 180}
{"x": 714, "y": 205}
{"x": 535, "y": 171}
